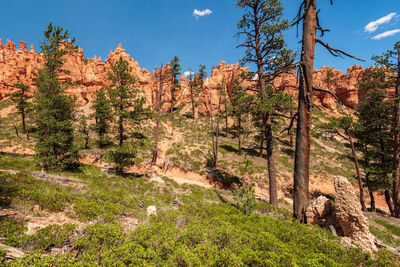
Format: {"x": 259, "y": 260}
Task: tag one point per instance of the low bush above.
{"x": 22, "y": 186}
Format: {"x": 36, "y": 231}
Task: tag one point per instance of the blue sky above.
{"x": 153, "y": 31}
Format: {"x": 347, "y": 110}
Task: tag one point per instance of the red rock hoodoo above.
{"x": 19, "y": 65}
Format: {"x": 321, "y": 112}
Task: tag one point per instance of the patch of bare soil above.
{"x": 40, "y": 219}
{"x": 7, "y": 111}
{"x": 18, "y": 149}
{"x": 181, "y": 177}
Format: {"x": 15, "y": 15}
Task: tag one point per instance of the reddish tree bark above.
{"x": 303, "y": 134}
{"x": 396, "y": 157}
{"x": 157, "y": 131}
{"x": 360, "y": 186}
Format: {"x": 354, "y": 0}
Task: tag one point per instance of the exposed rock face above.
{"x": 19, "y": 65}
{"x": 345, "y": 216}
{"x": 349, "y": 216}
{"x": 320, "y": 212}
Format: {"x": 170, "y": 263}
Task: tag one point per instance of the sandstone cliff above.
{"x": 20, "y": 65}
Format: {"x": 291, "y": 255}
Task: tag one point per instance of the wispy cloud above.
{"x": 201, "y": 13}
{"x": 386, "y": 34}
{"x": 374, "y": 25}
{"x": 188, "y": 73}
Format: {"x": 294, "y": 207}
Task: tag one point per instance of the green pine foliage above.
{"x": 375, "y": 138}
{"x": 54, "y": 113}
{"x": 84, "y": 131}
{"x": 263, "y": 38}
{"x": 122, "y": 156}
{"x": 124, "y": 98}
{"x": 21, "y": 97}
{"x": 127, "y": 109}
{"x": 175, "y": 71}
{"x": 103, "y": 117}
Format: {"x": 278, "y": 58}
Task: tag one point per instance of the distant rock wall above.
{"x": 21, "y": 65}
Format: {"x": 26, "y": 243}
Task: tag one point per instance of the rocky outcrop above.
{"x": 320, "y": 212}
{"x": 344, "y": 217}
{"x": 349, "y": 216}
{"x": 21, "y": 65}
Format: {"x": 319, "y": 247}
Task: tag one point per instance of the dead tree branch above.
{"x": 291, "y": 123}
{"x": 331, "y": 93}
{"x": 336, "y": 52}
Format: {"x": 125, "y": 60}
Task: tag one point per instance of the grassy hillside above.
{"x": 91, "y": 217}
{"x": 193, "y": 225}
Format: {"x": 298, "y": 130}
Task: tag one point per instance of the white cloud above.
{"x": 373, "y": 25}
{"x": 188, "y": 73}
{"x": 201, "y": 13}
{"x": 386, "y": 34}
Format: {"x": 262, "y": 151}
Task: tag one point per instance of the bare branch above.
{"x": 282, "y": 115}
{"x": 331, "y": 93}
{"x": 336, "y": 52}
{"x": 316, "y": 106}
{"x": 299, "y": 16}
{"x": 319, "y": 28}
{"x": 291, "y": 123}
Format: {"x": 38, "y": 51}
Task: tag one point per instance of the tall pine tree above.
{"x": 54, "y": 113}
{"x": 127, "y": 106}
{"x": 103, "y": 117}
{"x": 20, "y": 97}
{"x": 175, "y": 71}
{"x": 390, "y": 61}
{"x": 260, "y": 32}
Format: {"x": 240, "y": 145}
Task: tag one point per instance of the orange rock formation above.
{"x": 21, "y": 65}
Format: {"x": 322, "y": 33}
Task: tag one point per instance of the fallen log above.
{"x": 12, "y": 253}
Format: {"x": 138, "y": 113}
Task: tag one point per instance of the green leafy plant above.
{"x": 122, "y": 156}
{"x": 245, "y": 199}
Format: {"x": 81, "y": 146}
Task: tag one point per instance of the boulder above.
{"x": 151, "y": 210}
{"x": 349, "y": 216}
{"x": 320, "y": 212}
{"x": 344, "y": 217}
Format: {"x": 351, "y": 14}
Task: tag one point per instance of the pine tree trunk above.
{"x": 360, "y": 185}
{"x": 121, "y": 130}
{"x": 268, "y": 122}
{"x": 16, "y": 130}
{"x": 389, "y": 202}
{"x": 217, "y": 132}
{"x": 303, "y": 134}
{"x": 273, "y": 193}
{"x": 291, "y": 132}
{"x": 239, "y": 130}
{"x": 87, "y": 142}
{"x": 226, "y": 123}
{"x": 262, "y": 136}
{"x": 371, "y": 195}
{"x": 212, "y": 132}
{"x": 172, "y": 95}
{"x": 23, "y": 122}
{"x": 192, "y": 97}
{"x": 157, "y": 133}
{"x": 396, "y": 157}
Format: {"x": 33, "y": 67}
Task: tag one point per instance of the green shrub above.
{"x": 122, "y": 156}
{"x": 45, "y": 238}
{"x": 245, "y": 200}
{"x": 10, "y": 227}
{"x": 98, "y": 238}
{"x": 99, "y": 204}
{"x": 27, "y": 188}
